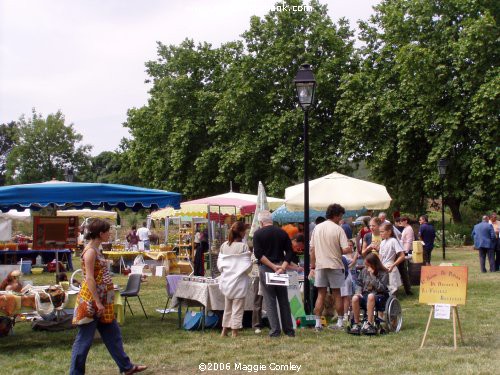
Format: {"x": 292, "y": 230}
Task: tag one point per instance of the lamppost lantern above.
{"x": 442, "y": 165}
{"x": 305, "y": 85}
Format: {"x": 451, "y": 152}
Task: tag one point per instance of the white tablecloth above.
{"x": 208, "y": 295}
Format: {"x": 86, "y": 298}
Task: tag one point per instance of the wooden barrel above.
{"x": 414, "y": 272}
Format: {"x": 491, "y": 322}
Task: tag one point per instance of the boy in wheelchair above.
{"x": 371, "y": 295}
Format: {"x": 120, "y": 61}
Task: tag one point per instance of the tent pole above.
{"x": 209, "y": 241}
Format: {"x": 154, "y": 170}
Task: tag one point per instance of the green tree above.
{"x": 258, "y": 121}
{"x": 170, "y": 133}
{"x": 45, "y": 147}
{"x": 8, "y": 137}
{"x": 428, "y": 88}
{"x": 229, "y": 114}
{"x": 108, "y": 167}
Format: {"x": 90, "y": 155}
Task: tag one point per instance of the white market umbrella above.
{"x": 262, "y": 204}
{"x": 224, "y": 204}
{"x": 351, "y": 193}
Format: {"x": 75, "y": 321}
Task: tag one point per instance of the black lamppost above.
{"x": 442, "y": 164}
{"x": 305, "y": 84}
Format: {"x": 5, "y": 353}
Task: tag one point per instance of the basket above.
{"x": 36, "y": 271}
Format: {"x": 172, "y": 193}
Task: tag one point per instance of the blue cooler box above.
{"x": 25, "y": 266}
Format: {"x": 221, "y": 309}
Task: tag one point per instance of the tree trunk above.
{"x": 454, "y": 205}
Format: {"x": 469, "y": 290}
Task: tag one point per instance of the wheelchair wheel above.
{"x": 393, "y": 315}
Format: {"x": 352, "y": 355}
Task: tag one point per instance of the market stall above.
{"x": 66, "y": 195}
{"x": 219, "y": 211}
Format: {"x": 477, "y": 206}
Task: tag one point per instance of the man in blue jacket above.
{"x": 427, "y": 235}
{"x": 483, "y": 235}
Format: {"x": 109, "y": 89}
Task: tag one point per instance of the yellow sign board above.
{"x": 443, "y": 285}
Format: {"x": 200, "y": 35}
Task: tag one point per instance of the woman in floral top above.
{"x": 94, "y": 306}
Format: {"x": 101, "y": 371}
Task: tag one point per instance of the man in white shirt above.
{"x": 144, "y": 234}
{"x": 328, "y": 243}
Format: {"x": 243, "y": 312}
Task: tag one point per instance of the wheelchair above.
{"x": 391, "y": 320}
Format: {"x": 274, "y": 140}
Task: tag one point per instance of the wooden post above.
{"x": 459, "y": 325}
{"x": 456, "y": 321}
{"x": 454, "y": 330}
{"x": 427, "y": 327}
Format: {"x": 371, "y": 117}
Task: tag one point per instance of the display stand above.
{"x": 444, "y": 287}
{"x": 186, "y": 241}
{"x": 456, "y": 321}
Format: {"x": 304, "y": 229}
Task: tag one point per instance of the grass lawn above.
{"x": 168, "y": 350}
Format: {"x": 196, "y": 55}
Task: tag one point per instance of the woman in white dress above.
{"x": 391, "y": 254}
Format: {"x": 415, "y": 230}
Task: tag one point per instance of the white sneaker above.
{"x": 257, "y": 331}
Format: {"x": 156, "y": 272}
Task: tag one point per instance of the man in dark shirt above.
{"x": 347, "y": 228}
{"x": 427, "y": 234}
{"x": 273, "y": 249}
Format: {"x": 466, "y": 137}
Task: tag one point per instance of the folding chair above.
{"x": 132, "y": 290}
{"x": 171, "y": 282}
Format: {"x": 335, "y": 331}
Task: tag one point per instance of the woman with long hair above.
{"x": 234, "y": 262}
{"x": 371, "y": 292}
{"x": 391, "y": 255}
{"x": 94, "y": 307}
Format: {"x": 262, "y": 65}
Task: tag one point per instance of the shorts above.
{"x": 380, "y": 300}
{"x": 328, "y": 277}
{"x": 346, "y": 290}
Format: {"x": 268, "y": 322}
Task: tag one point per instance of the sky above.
{"x": 86, "y": 57}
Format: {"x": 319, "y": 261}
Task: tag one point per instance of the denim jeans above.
{"x": 112, "y": 338}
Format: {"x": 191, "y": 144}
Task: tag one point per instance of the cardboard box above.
{"x": 418, "y": 252}
{"x": 184, "y": 267}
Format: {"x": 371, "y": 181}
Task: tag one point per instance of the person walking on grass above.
{"x": 328, "y": 243}
{"x": 273, "y": 249}
{"x": 94, "y": 306}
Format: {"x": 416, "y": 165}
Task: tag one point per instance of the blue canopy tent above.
{"x": 84, "y": 195}
{"x": 282, "y": 215}
{"x": 63, "y": 195}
